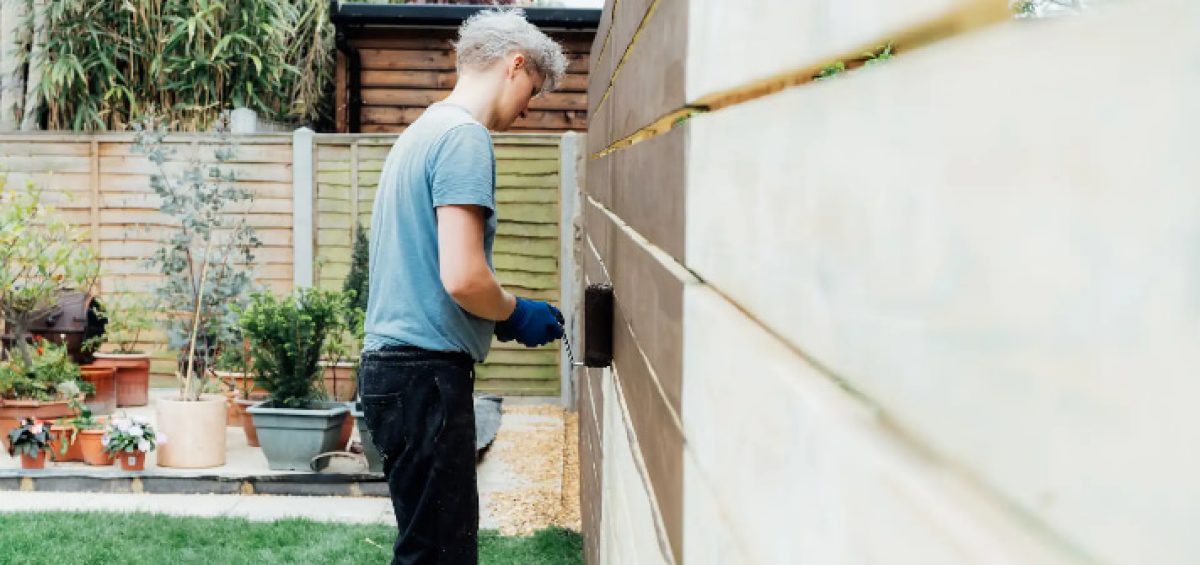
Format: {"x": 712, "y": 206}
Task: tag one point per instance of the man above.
{"x": 434, "y": 301}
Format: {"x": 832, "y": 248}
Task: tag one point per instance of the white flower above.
{"x": 37, "y": 429}
{"x": 140, "y": 420}
{"x": 143, "y": 445}
{"x": 121, "y": 424}
{"x": 104, "y": 440}
{"x": 135, "y": 431}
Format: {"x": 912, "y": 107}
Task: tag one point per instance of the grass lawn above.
{"x": 68, "y": 538}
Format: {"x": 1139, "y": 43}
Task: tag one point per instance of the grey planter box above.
{"x": 374, "y": 461}
{"x": 291, "y": 437}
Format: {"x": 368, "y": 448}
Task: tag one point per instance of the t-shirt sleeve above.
{"x": 461, "y": 168}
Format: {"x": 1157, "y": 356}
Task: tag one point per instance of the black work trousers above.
{"x": 421, "y": 415}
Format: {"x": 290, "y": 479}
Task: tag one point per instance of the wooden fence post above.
{"x": 303, "y": 231}
{"x": 569, "y": 176}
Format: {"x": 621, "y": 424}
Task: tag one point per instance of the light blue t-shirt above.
{"x": 445, "y": 157}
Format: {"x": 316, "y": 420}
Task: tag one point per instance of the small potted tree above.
{"x": 31, "y": 441}
{"x": 129, "y": 440}
{"x": 128, "y": 316}
{"x": 287, "y": 336}
{"x": 206, "y": 259}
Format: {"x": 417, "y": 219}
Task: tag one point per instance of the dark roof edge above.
{"x": 453, "y": 15}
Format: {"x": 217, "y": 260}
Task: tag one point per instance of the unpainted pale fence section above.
{"x": 100, "y": 184}
{"x": 525, "y": 252}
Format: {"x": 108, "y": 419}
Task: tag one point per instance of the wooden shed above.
{"x": 393, "y": 60}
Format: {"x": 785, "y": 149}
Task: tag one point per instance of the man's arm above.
{"x": 464, "y": 270}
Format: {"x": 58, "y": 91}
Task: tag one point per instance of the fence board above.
{"x": 1024, "y": 311}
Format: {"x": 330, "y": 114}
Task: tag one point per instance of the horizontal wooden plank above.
{"x": 378, "y": 100}
{"x": 261, "y": 153}
{"x": 516, "y": 372}
{"x": 828, "y": 464}
{"x": 545, "y": 358}
{"x": 999, "y": 299}
{"x": 140, "y": 183}
{"x": 536, "y": 246}
{"x": 12, "y": 149}
{"x": 533, "y": 119}
{"x": 269, "y": 236}
{"x": 517, "y": 195}
{"x": 154, "y": 218}
{"x": 505, "y": 151}
{"x": 505, "y": 227}
{"x": 443, "y": 39}
{"x": 49, "y": 163}
{"x": 527, "y": 181}
{"x": 508, "y": 262}
{"x": 803, "y": 35}
{"x": 650, "y": 82}
{"x": 136, "y": 165}
{"x": 534, "y": 281}
{"x": 438, "y": 60}
{"x": 510, "y": 387}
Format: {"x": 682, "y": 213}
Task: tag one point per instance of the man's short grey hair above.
{"x": 490, "y": 35}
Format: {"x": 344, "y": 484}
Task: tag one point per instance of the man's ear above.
{"x": 518, "y": 63}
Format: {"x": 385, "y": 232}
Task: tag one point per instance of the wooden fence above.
{"x": 100, "y": 184}
{"x": 941, "y": 309}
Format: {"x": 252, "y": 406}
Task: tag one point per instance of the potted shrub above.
{"x": 43, "y": 389}
{"x": 129, "y": 440}
{"x": 127, "y": 317}
{"x": 287, "y": 336}
{"x": 31, "y": 441}
{"x": 206, "y": 262}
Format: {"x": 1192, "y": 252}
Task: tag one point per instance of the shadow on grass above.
{"x": 96, "y": 537}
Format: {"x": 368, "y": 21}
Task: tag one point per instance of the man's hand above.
{"x": 532, "y": 324}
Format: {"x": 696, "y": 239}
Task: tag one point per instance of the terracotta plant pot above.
{"x": 347, "y": 430}
{"x": 12, "y": 411}
{"x": 62, "y": 435}
{"x": 36, "y": 462}
{"x": 135, "y": 461}
{"x": 133, "y": 376}
{"x": 104, "y": 400}
{"x": 340, "y": 381}
{"x": 92, "y": 449}
{"x": 239, "y": 382}
{"x": 196, "y": 431}
{"x": 248, "y": 420}
{"x": 232, "y": 419}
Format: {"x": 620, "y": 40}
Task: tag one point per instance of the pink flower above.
{"x": 37, "y": 429}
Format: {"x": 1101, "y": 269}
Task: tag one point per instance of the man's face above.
{"x": 521, "y": 84}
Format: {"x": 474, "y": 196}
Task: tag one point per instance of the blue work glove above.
{"x": 533, "y": 323}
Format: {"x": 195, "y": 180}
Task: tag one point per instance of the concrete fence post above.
{"x": 302, "y": 208}
{"x": 570, "y": 176}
